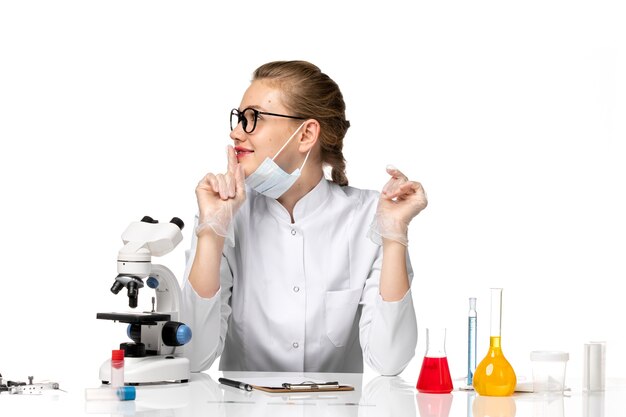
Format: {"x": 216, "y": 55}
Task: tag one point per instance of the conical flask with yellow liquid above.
{"x": 494, "y": 375}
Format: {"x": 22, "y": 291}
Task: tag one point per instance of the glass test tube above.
{"x": 471, "y": 340}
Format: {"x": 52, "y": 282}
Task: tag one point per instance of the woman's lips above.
{"x": 242, "y": 152}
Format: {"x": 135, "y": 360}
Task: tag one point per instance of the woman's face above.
{"x": 270, "y": 133}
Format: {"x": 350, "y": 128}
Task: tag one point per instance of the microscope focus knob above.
{"x": 175, "y": 333}
{"x": 152, "y": 282}
{"x": 134, "y": 332}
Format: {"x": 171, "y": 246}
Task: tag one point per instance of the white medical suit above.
{"x": 301, "y": 297}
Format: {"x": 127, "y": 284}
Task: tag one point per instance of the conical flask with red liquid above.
{"x": 435, "y": 374}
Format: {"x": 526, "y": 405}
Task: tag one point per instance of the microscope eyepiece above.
{"x": 178, "y": 222}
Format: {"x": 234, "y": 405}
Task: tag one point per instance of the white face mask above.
{"x": 269, "y": 179}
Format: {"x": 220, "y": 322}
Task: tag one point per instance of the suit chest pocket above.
{"x": 340, "y": 311}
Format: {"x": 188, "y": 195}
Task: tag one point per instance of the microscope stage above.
{"x": 135, "y": 318}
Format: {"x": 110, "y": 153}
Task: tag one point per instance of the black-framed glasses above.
{"x": 248, "y": 117}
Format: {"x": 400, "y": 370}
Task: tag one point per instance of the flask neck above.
{"x": 496, "y": 311}
{"x": 435, "y": 343}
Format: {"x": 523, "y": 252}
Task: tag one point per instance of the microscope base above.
{"x": 150, "y": 369}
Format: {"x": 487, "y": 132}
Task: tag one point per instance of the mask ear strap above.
{"x": 305, "y": 158}
{"x": 289, "y": 140}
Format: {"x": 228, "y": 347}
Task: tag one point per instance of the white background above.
{"x": 512, "y": 115}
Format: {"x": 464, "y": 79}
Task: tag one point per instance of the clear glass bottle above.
{"x": 494, "y": 375}
{"x": 472, "y": 317}
{"x": 434, "y": 376}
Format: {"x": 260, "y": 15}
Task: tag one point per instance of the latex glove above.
{"x": 400, "y": 201}
{"x": 219, "y": 197}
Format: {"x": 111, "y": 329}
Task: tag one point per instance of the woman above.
{"x": 299, "y": 286}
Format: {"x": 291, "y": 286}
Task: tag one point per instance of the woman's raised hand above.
{"x": 219, "y": 197}
{"x": 400, "y": 201}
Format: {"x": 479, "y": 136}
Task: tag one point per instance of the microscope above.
{"x": 154, "y": 355}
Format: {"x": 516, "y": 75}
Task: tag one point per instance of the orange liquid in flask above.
{"x": 494, "y": 375}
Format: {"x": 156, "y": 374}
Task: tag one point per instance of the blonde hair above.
{"x": 312, "y": 94}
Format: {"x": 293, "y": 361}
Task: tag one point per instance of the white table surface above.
{"x": 373, "y": 396}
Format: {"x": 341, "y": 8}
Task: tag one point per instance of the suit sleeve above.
{"x": 207, "y": 317}
{"x": 388, "y": 329}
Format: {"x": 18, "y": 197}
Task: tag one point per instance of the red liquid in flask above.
{"x": 434, "y": 376}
